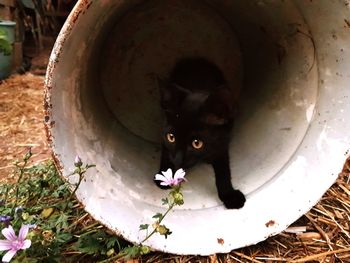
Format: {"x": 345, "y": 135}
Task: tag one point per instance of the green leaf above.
{"x": 59, "y": 222}
{"x": 89, "y": 245}
{"x": 132, "y": 252}
{"x": 144, "y": 226}
{"x": 97, "y": 243}
{"x": 63, "y": 237}
{"x": 111, "y": 241}
{"x": 158, "y": 216}
{"x": 165, "y": 201}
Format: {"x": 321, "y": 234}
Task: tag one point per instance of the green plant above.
{"x": 174, "y": 198}
{"x": 5, "y": 45}
{"x": 58, "y": 227}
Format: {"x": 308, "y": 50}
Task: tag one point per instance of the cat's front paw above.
{"x": 164, "y": 187}
{"x": 233, "y": 200}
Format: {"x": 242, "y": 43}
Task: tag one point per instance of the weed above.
{"x": 59, "y": 230}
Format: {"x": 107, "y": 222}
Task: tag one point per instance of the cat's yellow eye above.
{"x": 197, "y": 144}
{"x": 170, "y": 137}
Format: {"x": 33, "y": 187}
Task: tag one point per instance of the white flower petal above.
{"x": 26, "y": 244}
{"x": 23, "y": 232}
{"x": 9, "y": 233}
{"x": 5, "y": 245}
{"x": 9, "y": 255}
{"x": 165, "y": 183}
{"x": 168, "y": 174}
{"x": 160, "y": 177}
{"x": 180, "y": 174}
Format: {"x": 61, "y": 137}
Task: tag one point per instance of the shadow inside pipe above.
{"x": 278, "y": 91}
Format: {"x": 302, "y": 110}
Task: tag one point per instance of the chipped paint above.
{"x": 270, "y": 223}
{"x": 220, "y": 241}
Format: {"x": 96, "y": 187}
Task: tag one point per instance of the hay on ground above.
{"x": 322, "y": 235}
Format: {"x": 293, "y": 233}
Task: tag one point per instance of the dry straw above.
{"x": 322, "y": 235}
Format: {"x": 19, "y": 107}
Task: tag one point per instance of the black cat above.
{"x": 199, "y": 118}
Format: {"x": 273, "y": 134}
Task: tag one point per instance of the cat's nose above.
{"x": 178, "y": 160}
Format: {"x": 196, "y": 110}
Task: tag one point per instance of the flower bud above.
{"x": 178, "y": 198}
{"x": 110, "y": 252}
{"x": 145, "y": 250}
{"x": 6, "y": 220}
{"x": 77, "y": 161}
{"x": 19, "y": 210}
{"x": 163, "y": 230}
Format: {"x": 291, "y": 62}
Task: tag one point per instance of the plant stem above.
{"x": 21, "y": 173}
{"x": 80, "y": 173}
{"x": 81, "y": 177}
{"x": 159, "y": 221}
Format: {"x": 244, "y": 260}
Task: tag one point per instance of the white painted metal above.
{"x": 290, "y": 140}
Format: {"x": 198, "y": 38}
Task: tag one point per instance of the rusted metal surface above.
{"x": 78, "y": 10}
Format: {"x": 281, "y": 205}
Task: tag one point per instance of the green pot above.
{"x": 8, "y": 29}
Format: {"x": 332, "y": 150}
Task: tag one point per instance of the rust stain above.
{"x": 270, "y": 223}
{"x": 220, "y": 241}
{"x": 48, "y": 122}
{"x": 58, "y": 165}
{"x": 83, "y": 6}
{"x": 347, "y": 22}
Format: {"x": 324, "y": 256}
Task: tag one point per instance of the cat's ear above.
{"x": 170, "y": 94}
{"x": 219, "y": 107}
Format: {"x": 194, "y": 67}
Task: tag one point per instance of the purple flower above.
{"x": 6, "y": 220}
{"x": 167, "y": 178}
{"x": 13, "y": 243}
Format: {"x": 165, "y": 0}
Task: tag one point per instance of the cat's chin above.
{"x": 234, "y": 199}
{"x": 163, "y": 187}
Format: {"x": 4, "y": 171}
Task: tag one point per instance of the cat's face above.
{"x": 197, "y": 128}
{"x": 189, "y": 141}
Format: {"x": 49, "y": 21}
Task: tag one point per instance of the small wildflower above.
{"x": 6, "y": 220}
{"x": 12, "y": 244}
{"x": 19, "y": 210}
{"x": 77, "y": 161}
{"x": 167, "y": 178}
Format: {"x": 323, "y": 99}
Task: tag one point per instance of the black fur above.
{"x": 198, "y": 106}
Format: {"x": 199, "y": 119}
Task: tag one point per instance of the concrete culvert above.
{"x": 290, "y": 61}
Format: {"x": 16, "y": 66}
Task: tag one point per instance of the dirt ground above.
{"x": 325, "y": 234}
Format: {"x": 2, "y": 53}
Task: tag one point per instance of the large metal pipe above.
{"x": 291, "y": 136}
